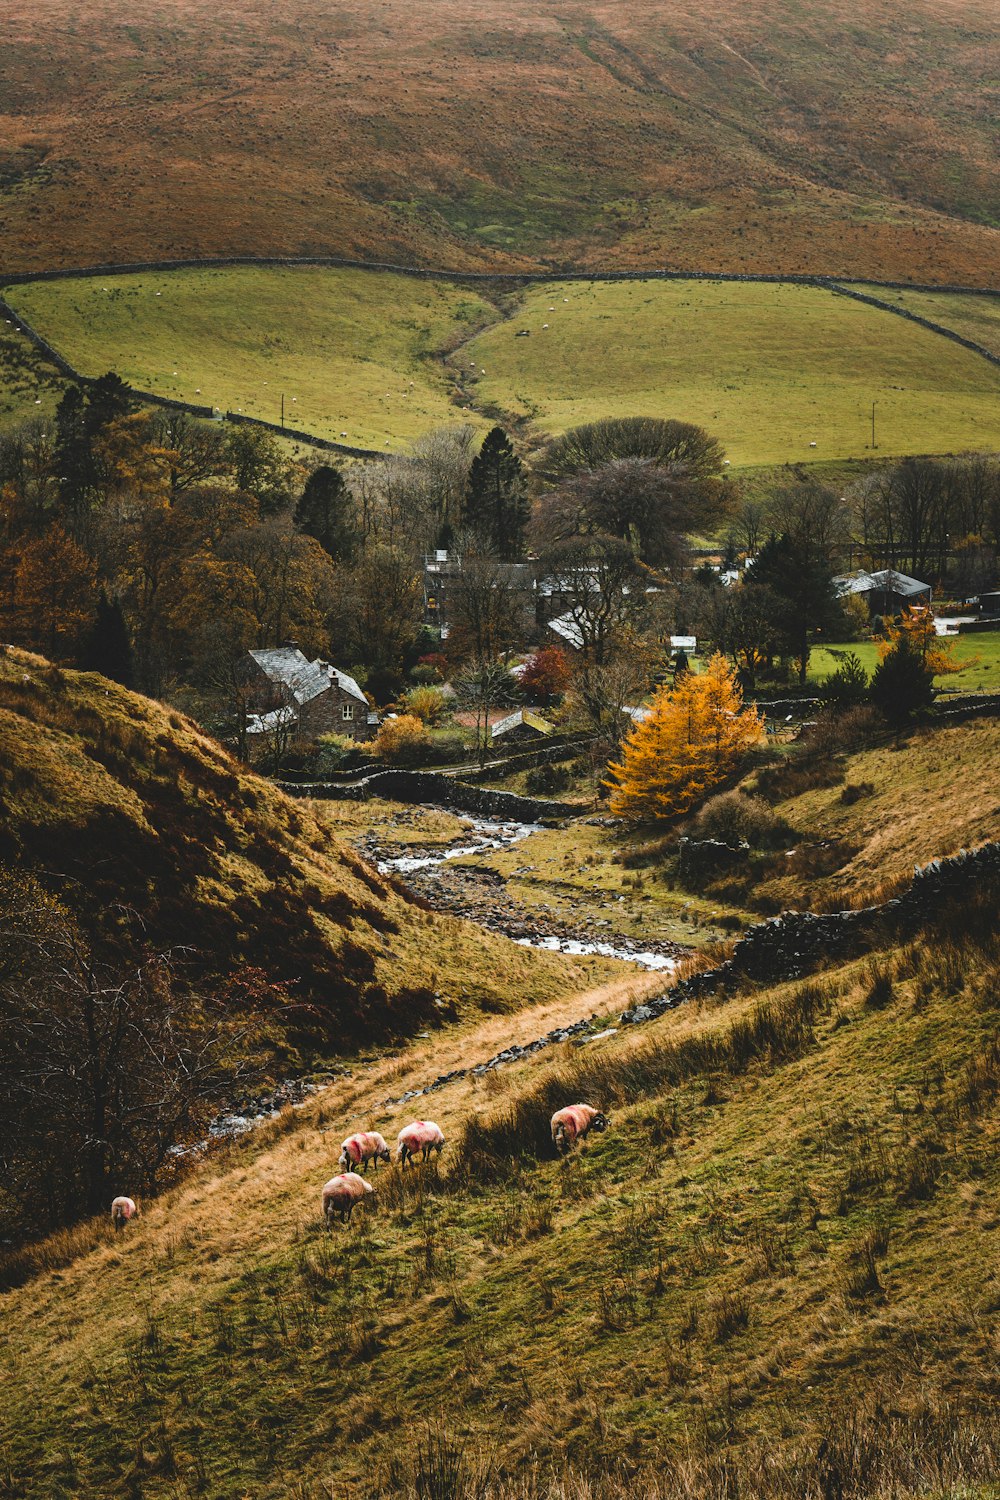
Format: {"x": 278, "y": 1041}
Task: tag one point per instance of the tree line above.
{"x": 160, "y": 548}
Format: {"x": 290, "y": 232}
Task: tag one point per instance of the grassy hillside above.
{"x": 125, "y": 808}
{"x": 29, "y": 387}
{"x": 781, "y": 135}
{"x": 770, "y": 369}
{"x": 350, "y": 352}
{"x": 776, "y": 1266}
{"x": 974, "y": 317}
{"x": 842, "y": 828}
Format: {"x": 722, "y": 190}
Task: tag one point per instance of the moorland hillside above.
{"x": 125, "y": 810}
{"x": 840, "y": 138}
{"x": 773, "y": 1275}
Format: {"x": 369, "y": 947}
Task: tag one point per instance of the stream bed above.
{"x": 480, "y": 894}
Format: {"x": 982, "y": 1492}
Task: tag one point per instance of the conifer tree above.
{"x": 324, "y": 512}
{"x": 910, "y": 658}
{"x": 693, "y": 738}
{"x": 496, "y": 504}
{"x": 108, "y": 649}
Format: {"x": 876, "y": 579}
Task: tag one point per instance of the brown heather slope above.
{"x": 851, "y": 137}
{"x": 131, "y": 815}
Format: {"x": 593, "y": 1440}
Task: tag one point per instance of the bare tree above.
{"x": 107, "y": 1066}
{"x": 487, "y": 609}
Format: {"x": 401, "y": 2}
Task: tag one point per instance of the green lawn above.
{"x": 351, "y": 352}
{"x": 974, "y": 317}
{"x": 768, "y": 368}
{"x": 981, "y": 653}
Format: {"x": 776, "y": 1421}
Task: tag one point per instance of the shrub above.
{"x": 848, "y": 685}
{"x": 428, "y": 704}
{"x": 430, "y": 669}
{"x": 735, "y": 817}
{"x": 403, "y": 741}
{"x": 447, "y": 746}
{"x": 841, "y": 730}
{"x": 333, "y": 752}
{"x": 546, "y": 675}
{"x": 545, "y": 780}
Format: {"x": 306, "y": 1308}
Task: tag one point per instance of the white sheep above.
{"x": 572, "y": 1123}
{"x": 420, "y": 1136}
{"x": 361, "y": 1148}
{"x": 342, "y": 1194}
{"x": 122, "y": 1209}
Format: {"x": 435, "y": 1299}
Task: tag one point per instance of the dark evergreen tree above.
{"x": 81, "y": 416}
{"x": 902, "y": 683}
{"x": 801, "y": 593}
{"x": 108, "y": 649}
{"x": 108, "y": 398}
{"x": 324, "y": 512}
{"x": 496, "y": 503}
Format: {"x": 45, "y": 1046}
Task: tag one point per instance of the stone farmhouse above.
{"x": 302, "y": 699}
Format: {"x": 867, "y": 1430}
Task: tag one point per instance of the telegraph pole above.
{"x": 283, "y": 410}
{"x": 874, "y": 444}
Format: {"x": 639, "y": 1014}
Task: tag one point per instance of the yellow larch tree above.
{"x": 693, "y": 738}
{"x": 916, "y": 631}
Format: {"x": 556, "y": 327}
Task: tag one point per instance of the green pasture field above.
{"x": 351, "y": 352}
{"x": 29, "y": 387}
{"x": 767, "y": 368}
{"x": 979, "y": 653}
{"x": 975, "y": 316}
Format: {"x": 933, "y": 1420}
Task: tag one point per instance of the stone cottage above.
{"x": 311, "y": 698}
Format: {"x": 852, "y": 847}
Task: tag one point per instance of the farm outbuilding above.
{"x": 523, "y": 726}
{"x": 885, "y": 592}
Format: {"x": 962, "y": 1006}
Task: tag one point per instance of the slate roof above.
{"x": 886, "y": 580}
{"x": 304, "y": 679}
{"x": 522, "y": 716}
{"x": 270, "y": 723}
{"x": 568, "y": 629}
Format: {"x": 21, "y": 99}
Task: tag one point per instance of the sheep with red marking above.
{"x": 342, "y": 1194}
{"x": 361, "y": 1148}
{"x": 419, "y": 1138}
{"x": 571, "y": 1124}
{"x": 122, "y": 1209}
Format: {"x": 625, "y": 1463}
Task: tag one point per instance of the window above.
{"x": 348, "y": 711}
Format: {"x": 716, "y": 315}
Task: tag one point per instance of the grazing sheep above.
{"x": 341, "y": 1194}
{"x": 421, "y": 1136}
{"x": 122, "y": 1209}
{"x": 572, "y": 1123}
{"x": 358, "y": 1150}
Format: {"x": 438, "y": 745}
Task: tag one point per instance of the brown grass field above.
{"x": 834, "y": 136}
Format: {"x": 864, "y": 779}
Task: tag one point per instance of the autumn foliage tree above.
{"x": 910, "y": 657}
{"x": 546, "y": 674}
{"x": 693, "y": 738}
{"x": 49, "y": 598}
